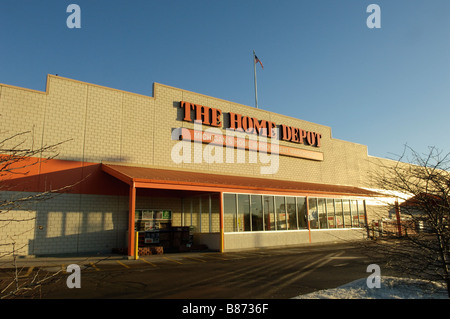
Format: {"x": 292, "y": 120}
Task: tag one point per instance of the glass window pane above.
{"x": 330, "y": 213}
{"x": 302, "y": 215}
{"x": 355, "y": 218}
{"x": 257, "y": 213}
{"x": 347, "y": 216}
{"x": 322, "y": 213}
{"x": 362, "y": 214}
{"x": 339, "y": 215}
{"x": 281, "y": 212}
{"x": 291, "y": 213}
{"x": 137, "y": 215}
{"x": 244, "y": 223}
{"x": 269, "y": 213}
{"x": 313, "y": 213}
{"x": 229, "y": 212}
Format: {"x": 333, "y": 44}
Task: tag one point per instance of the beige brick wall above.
{"x": 105, "y": 124}
{"x": 17, "y": 226}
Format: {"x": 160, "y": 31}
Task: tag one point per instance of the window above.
{"x": 322, "y": 210}
{"x": 347, "y": 215}
{"x": 354, "y": 211}
{"x": 361, "y": 213}
{"x": 313, "y": 213}
{"x": 301, "y": 212}
{"x": 244, "y": 212}
{"x": 229, "y": 212}
{"x": 281, "y": 212}
{"x": 291, "y": 213}
{"x": 330, "y": 213}
{"x": 269, "y": 213}
{"x": 338, "y": 213}
{"x": 257, "y": 215}
{"x": 244, "y": 223}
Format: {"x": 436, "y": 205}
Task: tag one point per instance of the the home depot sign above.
{"x": 213, "y": 117}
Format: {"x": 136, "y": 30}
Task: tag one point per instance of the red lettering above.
{"x": 260, "y": 127}
{"x": 187, "y": 110}
{"x": 216, "y": 116}
{"x": 318, "y": 136}
{"x": 247, "y": 124}
{"x": 202, "y": 114}
{"x": 286, "y": 136}
{"x": 235, "y": 121}
{"x": 311, "y": 138}
{"x": 294, "y": 135}
{"x": 302, "y": 135}
{"x": 271, "y": 128}
{"x": 213, "y": 117}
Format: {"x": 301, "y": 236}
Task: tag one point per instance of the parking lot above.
{"x": 270, "y": 273}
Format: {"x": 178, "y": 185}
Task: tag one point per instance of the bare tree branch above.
{"x": 17, "y": 160}
{"x": 422, "y": 184}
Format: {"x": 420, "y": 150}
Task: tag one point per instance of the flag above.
{"x": 258, "y": 61}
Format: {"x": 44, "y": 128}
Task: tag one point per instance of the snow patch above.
{"x": 391, "y": 288}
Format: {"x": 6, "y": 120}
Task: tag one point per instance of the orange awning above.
{"x": 145, "y": 177}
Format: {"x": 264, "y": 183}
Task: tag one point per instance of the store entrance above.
{"x": 171, "y": 221}
{"x": 156, "y": 233}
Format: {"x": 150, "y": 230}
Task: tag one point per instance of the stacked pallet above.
{"x": 150, "y": 250}
{"x": 142, "y": 251}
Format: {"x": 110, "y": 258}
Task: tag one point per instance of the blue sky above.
{"x": 383, "y": 88}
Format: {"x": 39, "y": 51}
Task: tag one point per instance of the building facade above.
{"x": 238, "y": 176}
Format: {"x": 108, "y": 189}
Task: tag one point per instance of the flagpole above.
{"x": 256, "y": 90}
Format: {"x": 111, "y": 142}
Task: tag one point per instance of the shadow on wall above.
{"x": 80, "y": 223}
{"x": 88, "y": 213}
{"x": 65, "y": 177}
{"x": 85, "y": 244}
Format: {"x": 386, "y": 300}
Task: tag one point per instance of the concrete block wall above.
{"x": 17, "y": 225}
{"x": 251, "y": 240}
{"x": 65, "y": 224}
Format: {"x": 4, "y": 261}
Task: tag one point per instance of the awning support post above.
{"x": 131, "y": 220}
{"x": 222, "y": 243}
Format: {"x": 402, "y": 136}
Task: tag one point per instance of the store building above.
{"x": 238, "y": 176}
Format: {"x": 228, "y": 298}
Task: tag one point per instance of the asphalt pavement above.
{"x": 253, "y": 274}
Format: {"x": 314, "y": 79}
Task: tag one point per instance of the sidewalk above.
{"x": 92, "y": 260}
{"x": 56, "y": 261}
{"x": 59, "y": 262}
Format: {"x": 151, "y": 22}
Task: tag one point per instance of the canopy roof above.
{"x": 146, "y": 177}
